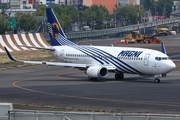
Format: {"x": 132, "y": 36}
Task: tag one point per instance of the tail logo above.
{"x": 55, "y": 29}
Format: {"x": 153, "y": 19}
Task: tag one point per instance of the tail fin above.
{"x": 57, "y": 36}
{"x": 163, "y": 49}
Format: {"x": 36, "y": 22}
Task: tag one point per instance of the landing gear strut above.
{"x": 157, "y": 80}
{"x": 119, "y": 76}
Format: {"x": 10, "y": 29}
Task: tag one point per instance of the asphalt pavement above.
{"x": 61, "y": 88}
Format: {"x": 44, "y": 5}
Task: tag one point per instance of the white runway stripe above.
{"x": 18, "y": 41}
{"x": 11, "y": 43}
{"x": 26, "y": 41}
{"x": 40, "y": 40}
{"x": 32, "y": 39}
{"x": 3, "y": 44}
{"x": 1, "y": 50}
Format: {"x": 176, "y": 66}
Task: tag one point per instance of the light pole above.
{"x": 138, "y": 17}
{"x": 115, "y": 20}
{"x": 91, "y": 21}
{"x": 126, "y": 18}
{"x": 144, "y": 22}
{"x": 155, "y": 11}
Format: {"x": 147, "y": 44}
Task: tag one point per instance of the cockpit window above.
{"x": 162, "y": 58}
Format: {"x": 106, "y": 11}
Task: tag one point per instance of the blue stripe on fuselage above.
{"x": 112, "y": 59}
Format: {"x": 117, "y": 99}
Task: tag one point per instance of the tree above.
{"x": 128, "y": 12}
{"x": 164, "y": 7}
{"x": 95, "y": 13}
{"x": 149, "y": 5}
{"x": 88, "y": 15}
{"x": 3, "y": 25}
{"x": 66, "y": 15}
{"x": 27, "y": 22}
{"x": 161, "y": 7}
{"x": 40, "y": 11}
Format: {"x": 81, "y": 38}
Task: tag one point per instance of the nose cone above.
{"x": 170, "y": 66}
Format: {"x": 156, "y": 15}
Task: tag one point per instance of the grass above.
{"x": 52, "y": 108}
{"x": 35, "y": 55}
{"x": 24, "y": 55}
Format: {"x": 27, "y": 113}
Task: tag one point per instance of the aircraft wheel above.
{"x": 157, "y": 80}
{"x": 119, "y": 76}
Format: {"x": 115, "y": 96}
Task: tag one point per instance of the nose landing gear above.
{"x": 157, "y": 80}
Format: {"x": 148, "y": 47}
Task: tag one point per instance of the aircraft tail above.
{"x": 163, "y": 49}
{"x": 57, "y": 36}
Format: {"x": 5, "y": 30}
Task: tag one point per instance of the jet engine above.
{"x": 97, "y": 72}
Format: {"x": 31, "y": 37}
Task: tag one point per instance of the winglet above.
{"x": 163, "y": 49}
{"x": 9, "y": 55}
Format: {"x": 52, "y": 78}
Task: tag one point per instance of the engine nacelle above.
{"x": 97, "y": 72}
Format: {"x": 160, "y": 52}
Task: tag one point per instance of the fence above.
{"x": 105, "y": 32}
{"x": 55, "y": 115}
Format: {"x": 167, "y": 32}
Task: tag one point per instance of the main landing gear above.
{"x": 119, "y": 76}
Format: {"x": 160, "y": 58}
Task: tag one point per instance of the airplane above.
{"x": 99, "y": 61}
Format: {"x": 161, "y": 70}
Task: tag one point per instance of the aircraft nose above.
{"x": 171, "y": 66}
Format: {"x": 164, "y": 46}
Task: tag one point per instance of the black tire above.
{"x": 157, "y": 80}
{"x": 119, "y": 76}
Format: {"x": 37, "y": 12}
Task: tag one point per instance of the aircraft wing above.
{"x": 108, "y": 66}
{"x": 42, "y": 48}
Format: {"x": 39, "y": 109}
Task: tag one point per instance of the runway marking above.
{"x": 90, "y": 98}
{"x": 59, "y": 76}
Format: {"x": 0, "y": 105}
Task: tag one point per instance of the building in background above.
{"x": 133, "y": 2}
{"x": 75, "y": 3}
{"x": 87, "y": 2}
{"x": 109, "y": 4}
{"x": 125, "y": 2}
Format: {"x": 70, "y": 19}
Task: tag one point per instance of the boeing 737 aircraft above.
{"x": 98, "y": 61}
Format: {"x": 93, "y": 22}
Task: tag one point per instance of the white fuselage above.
{"x": 127, "y": 60}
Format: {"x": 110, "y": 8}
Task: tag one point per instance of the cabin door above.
{"x": 146, "y": 59}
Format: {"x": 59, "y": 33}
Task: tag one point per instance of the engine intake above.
{"x": 97, "y": 72}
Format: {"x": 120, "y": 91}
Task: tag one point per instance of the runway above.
{"x": 70, "y": 88}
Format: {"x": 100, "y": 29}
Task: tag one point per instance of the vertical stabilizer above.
{"x": 57, "y": 36}
{"x": 163, "y": 49}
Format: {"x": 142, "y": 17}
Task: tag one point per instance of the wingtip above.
{"x": 9, "y": 55}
